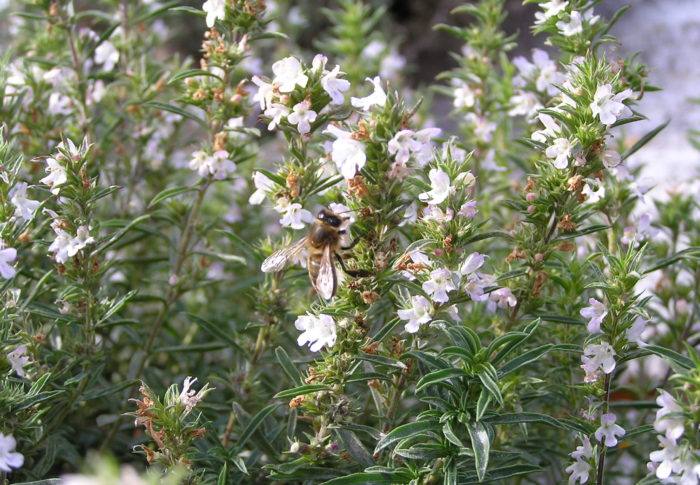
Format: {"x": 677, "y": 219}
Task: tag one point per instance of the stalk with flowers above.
{"x": 512, "y": 304}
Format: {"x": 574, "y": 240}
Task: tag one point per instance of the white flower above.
{"x": 335, "y": 86}
{"x": 107, "y": 55}
{"x": 80, "y": 241}
{"x": 302, "y": 116}
{"x": 551, "y": 129}
{"x": 59, "y": 104}
{"x": 611, "y": 158}
{"x": 608, "y": 431}
{"x": 318, "y": 331}
{"x": 471, "y": 263}
{"x": 288, "y": 74}
{"x": 575, "y": 24}
{"x": 609, "y": 107}
{"x": 220, "y": 166}
{"x": 593, "y": 196}
{"x": 378, "y": 96}
{"x": 18, "y": 358}
{"x": 263, "y": 185}
{"x": 551, "y": 9}
{"x": 293, "y": 215}
{"x": 547, "y": 73}
{"x": 439, "y": 284}
{"x": 266, "y": 92}
{"x": 483, "y": 128}
{"x": 57, "y": 175}
{"x": 7, "y": 257}
{"x": 9, "y": 458}
{"x": 468, "y": 209}
{"x": 423, "y": 149}
{"x": 672, "y": 426}
{"x": 464, "y": 96}
{"x": 276, "y": 112}
{"x": 401, "y": 145}
{"x": 61, "y": 245}
{"x": 188, "y": 397}
{"x": 200, "y": 163}
{"x": 583, "y": 451}
{"x": 417, "y": 315}
{"x": 435, "y": 213}
{"x": 596, "y": 358}
{"x": 641, "y": 231}
{"x": 347, "y": 153}
{"x": 440, "y": 185}
{"x": 391, "y": 65}
{"x": 560, "y": 152}
{"x": 503, "y": 297}
{"x": 525, "y": 103}
{"x": 595, "y": 313}
{"x": 215, "y": 9}
{"x": 635, "y": 332}
{"x": 666, "y": 458}
{"x": 578, "y": 472}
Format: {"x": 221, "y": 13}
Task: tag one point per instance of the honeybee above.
{"x": 323, "y": 243}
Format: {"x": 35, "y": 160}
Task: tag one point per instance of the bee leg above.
{"x": 352, "y": 244}
{"x": 355, "y": 273}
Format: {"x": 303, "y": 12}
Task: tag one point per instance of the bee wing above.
{"x": 326, "y": 281}
{"x": 279, "y": 259}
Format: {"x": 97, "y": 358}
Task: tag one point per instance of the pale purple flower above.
{"x": 377, "y": 98}
{"x": 18, "y": 359}
{"x": 609, "y": 107}
{"x": 464, "y": 96}
{"x": 471, "y": 263}
{"x": 608, "y": 432}
{"x": 595, "y": 313}
{"x": 524, "y": 103}
{"x": 669, "y": 419}
{"x": 401, "y": 145}
{"x": 61, "y": 246}
{"x": 9, "y": 458}
{"x": 317, "y": 331}
{"x": 276, "y": 112}
{"x": 263, "y": 186}
{"x": 468, "y": 209}
{"x": 439, "y": 284}
{"x": 597, "y": 358}
{"x": 579, "y": 470}
{"x": 575, "y": 24}
{"x": 435, "y": 213}
{"x": 391, "y": 65}
{"x": 80, "y": 241}
{"x": 560, "y": 151}
{"x": 302, "y": 115}
{"x": 635, "y": 332}
{"x": 289, "y": 73}
{"x": 440, "y": 185}
{"x": 551, "y": 128}
{"x": 417, "y": 315}
{"x": 503, "y": 298}
{"x": 200, "y": 163}
{"x": 7, "y": 257}
{"x": 665, "y": 460}
{"x": 550, "y": 9}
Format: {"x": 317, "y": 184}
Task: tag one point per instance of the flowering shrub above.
{"x": 494, "y": 299}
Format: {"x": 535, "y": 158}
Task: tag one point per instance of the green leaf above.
{"x": 517, "y": 418}
{"x": 437, "y": 377}
{"x": 645, "y": 139}
{"x": 381, "y": 360}
{"x": 561, "y": 319}
{"x": 157, "y": 12}
{"x": 223, "y": 474}
{"x": 192, "y": 73}
{"x": 481, "y": 444}
{"x": 300, "y": 390}
{"x": 177, "y": 110}
{"x": 288, "y": 366}
{"x": 118, "y": 305}
{"x": 405, "y": 431}
{"x": 355, "y": 448}
{"x": 671, "y": 355}
{"x": 364, "y": 478}
{"x": 168, "y": 193}
{"x": 114, "y": 238}
{"x": 524, "y": 359}
{"x": 109, "y": 390}
{"x": 216, "y": 331}
{"x": 450, "y": 435}
{"x": 491, "y": 386}
{"x": 254, "y": 424}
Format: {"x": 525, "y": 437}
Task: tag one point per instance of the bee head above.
{"x": 329, "y": 217}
